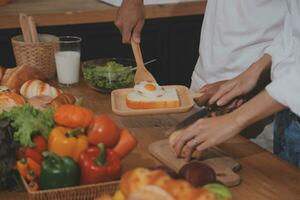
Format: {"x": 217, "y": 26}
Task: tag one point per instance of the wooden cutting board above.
{"x": 224, "y": 166}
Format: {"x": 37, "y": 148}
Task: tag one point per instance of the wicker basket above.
{"x": 38, "y": 55}
{"x": 84, "y": 192}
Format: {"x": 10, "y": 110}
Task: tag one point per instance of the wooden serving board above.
{"x": 118, "y": 102}
{"x": 224, "y": 166}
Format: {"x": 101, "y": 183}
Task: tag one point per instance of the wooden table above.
{"x": 264, "y": 176}
{"x": 64, "y": 12}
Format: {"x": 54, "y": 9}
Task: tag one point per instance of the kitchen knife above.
{"x": 203, "y": 112}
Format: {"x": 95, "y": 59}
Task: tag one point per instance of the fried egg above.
{"x": 149, "y": 89}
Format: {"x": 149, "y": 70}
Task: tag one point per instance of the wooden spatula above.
{"x": 142, "y": 74}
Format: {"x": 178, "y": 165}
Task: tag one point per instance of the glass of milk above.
{"x": 67, "y": 58}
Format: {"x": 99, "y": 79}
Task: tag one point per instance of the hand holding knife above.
{"x": 205, "y": 111}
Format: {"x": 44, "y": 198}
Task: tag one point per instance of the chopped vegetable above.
{"x": 28, "y": 121}
{"x": 110, "y": 76}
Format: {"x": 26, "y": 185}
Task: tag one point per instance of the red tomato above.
{"x": 40, "y": 144}
{"x": 104, "y": 130}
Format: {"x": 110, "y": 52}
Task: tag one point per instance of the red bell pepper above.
{"x": 29, "y": 153}
{"x": 98, "y": 164}
{"x": 35, "y": 153}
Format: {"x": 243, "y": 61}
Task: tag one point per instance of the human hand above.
{"x": 205, "y": 133}
{"x": 209, "y": 90}
{"x": 130, "y": 20}
{"x": 236, "y": 87}
{"x": 243, "y": 84}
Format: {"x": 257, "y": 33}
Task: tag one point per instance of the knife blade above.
{"x": 203, "y": 112}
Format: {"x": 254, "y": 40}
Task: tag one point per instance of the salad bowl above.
{"x": 107, "y": 74}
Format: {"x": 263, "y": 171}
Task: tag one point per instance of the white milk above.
{"x": 67, "y": 66}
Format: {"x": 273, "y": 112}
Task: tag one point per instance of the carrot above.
{"x": 22, "y": 167}
{"x": 126, "y": 143}
{"x": 34, "y": 166}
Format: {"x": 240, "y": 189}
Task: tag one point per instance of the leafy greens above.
{"x": 110, "y": 76}
{"x": 28, "y": 121}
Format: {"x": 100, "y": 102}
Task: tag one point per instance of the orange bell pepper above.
{"x": 25, "y": 165}
{"x": 22, "y": 167}
{"x": 67, "y": 142}
{"x": 34, "y": 166}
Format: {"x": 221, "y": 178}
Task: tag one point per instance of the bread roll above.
{"x": 15, "y": 77}
{"x": 134, "y": 183}
{"x": 179, "y": 189}
{"x": 9, "y": 100}
{"x": 34, "y": 88}
{"x": 150, "y": 192}
{"x": 135, "y": 179}
{"x": 62, "y": 99}
{"x": 40, "y": 102}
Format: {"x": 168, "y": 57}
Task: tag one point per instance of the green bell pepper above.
{"x": 58, "y": 172}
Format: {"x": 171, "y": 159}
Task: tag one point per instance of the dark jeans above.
{"x": 287, "y": 137}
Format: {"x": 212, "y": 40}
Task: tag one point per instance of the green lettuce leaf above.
{"x": 28, "y": 121}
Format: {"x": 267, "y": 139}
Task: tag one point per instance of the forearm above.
{"x": 259, "y": 107}
{"x": 261, "y": 65}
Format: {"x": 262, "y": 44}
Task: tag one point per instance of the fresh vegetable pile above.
{"x": 110, "y": 76}
{"x": 62, "y": 148}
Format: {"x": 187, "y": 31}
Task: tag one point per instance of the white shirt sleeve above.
{"x": 285, "y": 52}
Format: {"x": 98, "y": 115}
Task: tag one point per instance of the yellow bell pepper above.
{"x": 67, "y": 142}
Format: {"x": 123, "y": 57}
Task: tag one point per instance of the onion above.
{"x": 197, "y": 174}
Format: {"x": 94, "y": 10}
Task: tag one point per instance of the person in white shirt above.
{"x": 234, "y": 35}
{"x": 235, "y": 39}
{"x": 282, "y": 93}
